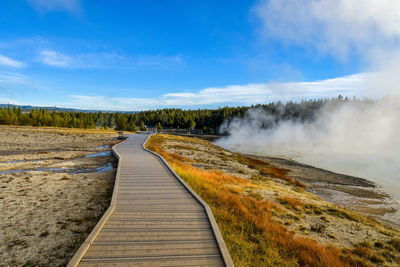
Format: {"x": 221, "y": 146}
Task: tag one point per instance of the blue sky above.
{"x": 134, "y": 55}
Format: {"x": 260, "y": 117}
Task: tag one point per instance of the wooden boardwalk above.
{"x": 154, "y": 218}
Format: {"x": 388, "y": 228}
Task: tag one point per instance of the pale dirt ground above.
{"x": 46, "y": 215}
{"x": 320, "y": 219}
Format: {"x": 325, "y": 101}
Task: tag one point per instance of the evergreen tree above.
{"x": 159, "y": 127}
{"x": 207, "y": 119}
{"x": 122, "y": 123}
{"x": 142, "y": 126}
{"x": 132, "y": 127}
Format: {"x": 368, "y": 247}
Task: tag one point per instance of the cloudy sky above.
{"x": 135, "y": 55}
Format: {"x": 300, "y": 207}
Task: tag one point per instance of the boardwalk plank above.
{"x": 153, "y": 219}
{"x": 212, "y": 260}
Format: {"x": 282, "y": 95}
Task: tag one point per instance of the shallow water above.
{"x": 384, "y": 170}
{"x": 381, "y": 168}
{"x": 62, "y": 169}
{"x": 20, "y": 161}
{"x": 100, "y": 147}
{"x": 101, "y": 169}
{"x": 100, "y": 154}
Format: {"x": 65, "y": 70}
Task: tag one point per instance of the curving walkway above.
{"x": 154, "y": 218}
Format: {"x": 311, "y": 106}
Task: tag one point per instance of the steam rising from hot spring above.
{"x": 354, "y": 127}
{"x": 359, "y": 138}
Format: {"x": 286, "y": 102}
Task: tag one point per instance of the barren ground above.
{"x": 51, "y": 195}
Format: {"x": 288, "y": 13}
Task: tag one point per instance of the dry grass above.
{"x": 292, "y": 202}
{"x": 266, "y": 222}
{"x": 60, "y": 129}
{"x": 271, "y": 170}
{"x": 252, "y": 236}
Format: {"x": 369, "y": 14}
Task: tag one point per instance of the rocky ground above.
{"x": 55, "y": 184}
{"x": 354, "y": 193}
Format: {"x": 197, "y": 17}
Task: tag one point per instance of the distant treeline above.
{"x": 208, "y": 120}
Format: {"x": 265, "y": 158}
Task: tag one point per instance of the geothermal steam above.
{"x": 355, "y": 138}
{"x": 352, "y": 127}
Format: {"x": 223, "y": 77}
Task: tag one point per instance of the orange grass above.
{"x": 291, "y": 201}
{"x": 271, "y": 170}
{"x": 281, "y": 174}
{"x": 246, "y": 223}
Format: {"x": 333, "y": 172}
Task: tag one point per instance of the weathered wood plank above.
{"x": 155, "y": 244}
{"x": 154, "y": 219}
{"x": 210, "y": 260}
{"x": 135, "y": 252}
{"x": 157, "y": 224}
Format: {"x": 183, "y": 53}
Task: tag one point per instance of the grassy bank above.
{"x": 267, "y": 218}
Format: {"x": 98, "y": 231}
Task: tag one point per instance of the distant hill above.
{"x": 27, "y": 108}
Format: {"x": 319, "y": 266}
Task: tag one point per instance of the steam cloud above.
{"x": 333, "y": 26}
{"x": 356, "y": 138}
{"x": 357, "y": 128}
{"x": 359, "y": 138}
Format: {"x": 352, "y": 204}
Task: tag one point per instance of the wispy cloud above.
{"x": 263, "y": 93}
{"x": 112, "y": 103}
{"x": 72, "y": 6}
{"x": 157, "y": 61}
{"x": 9, "y": 62}
{"x": 55, "y": 59}
{"x": 231, "y": 95}
{"x": 333, "y": 26}
{"x": 16, "y": 88}
{"x": 17, "y": 79}
{"x": 9, "y": 101}
{"x": 110, "y": 60}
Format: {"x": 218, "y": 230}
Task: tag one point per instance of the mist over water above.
{"x": 359, "y": 138}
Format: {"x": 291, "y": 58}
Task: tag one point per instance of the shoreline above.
{"x": 351, "y": 192}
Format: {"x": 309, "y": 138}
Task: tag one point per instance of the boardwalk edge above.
{"x": 87, "y": 243}
{"x": 221, "y": 243}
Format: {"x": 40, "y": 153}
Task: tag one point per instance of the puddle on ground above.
{"x": 100, "y": 154}
{"x": 20, "y": 161}
{"x": 97, "y": 147}
{"x": 102, "y": 147}
{"x": 63, "y": 169}
{"x": 101, "y": 169}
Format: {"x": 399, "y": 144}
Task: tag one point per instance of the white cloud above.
{"x": 16, "y": 88}
{"x": 9, "y": 101}
{"x": 263, "y": 93}
{"x": 109, "y": 60}
{"x": 55, "y": 59}
{"x": 6, "y": 61}
{"x": 72, "y": 6}
{"x": 231, "y": 95}
{"x": 333, "y": 26}
{"x": 112, "y": 103}
{"x": 81, "y": 61}
{"x": 17, "y": 79}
